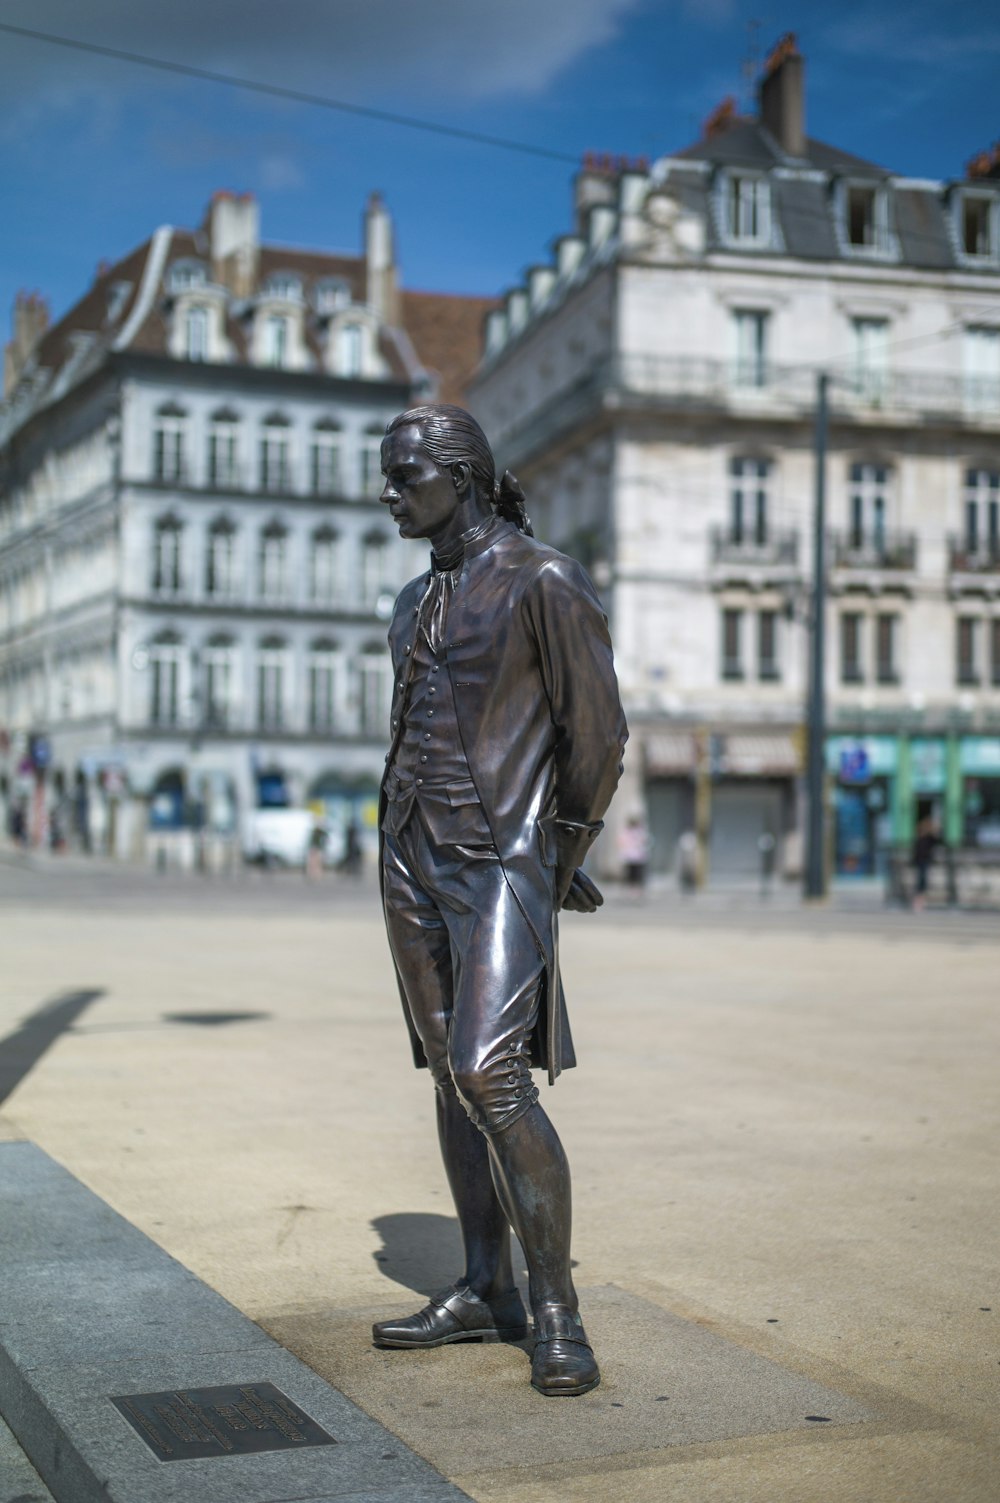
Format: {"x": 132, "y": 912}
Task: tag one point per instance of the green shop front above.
{"x": 882, "y": 786}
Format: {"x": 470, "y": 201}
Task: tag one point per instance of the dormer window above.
{"x": 331, "y": 295}
{"x": 866, "y": 218}
{"x": 747, "y": 209}
{"x": 186, "y": 275}
{"x": 284, "y": 286}
{"x": 978, "y": 215}
{"x": 349, "y": 349}
{"x": 196, "y": 333}
{"x": 276, "y": 340}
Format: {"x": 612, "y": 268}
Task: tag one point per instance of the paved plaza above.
{"x": 783, "y": 1132}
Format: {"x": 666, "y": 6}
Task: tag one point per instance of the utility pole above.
{"x": 816, "y": 720}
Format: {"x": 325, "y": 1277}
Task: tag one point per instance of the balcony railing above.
{"x": 979, "y": 558}
{"x": 887, "y": 550}
{"x": 768, "y": 549}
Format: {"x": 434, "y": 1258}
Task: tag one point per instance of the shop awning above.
{"x": 670, "y": 754}
{"x": 773, "y": 754}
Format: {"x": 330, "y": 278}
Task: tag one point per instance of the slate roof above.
{"x": 804, "y": 203}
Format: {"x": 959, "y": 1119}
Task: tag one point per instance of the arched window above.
{"x": 196, "y": 332}
{"x": 167, "y": 555}
{"x": 185, "y": 275}
{"x": 169, "y": 438}
{"x": 371, "y": 460}
{"x": 274, "y": 454}
{"x": 284, "y": 286}
{"x": 330, "y": 295}
{"x": 374, "y": 569}
{"x": 165, "y": 654}
{"x": 324, "y": 669}
{"x": 350, "y": 349}
{"x": 374, "y": 686}
{"x": 223, "y": 449}
{"x": 325, "y": 458}
{"x": 273, "y": 560}
{"x": 272, "y": 675}
{"x": 219, "y": 659}
{"x": 325, "y": 567}
{"x": 220, "y": 560}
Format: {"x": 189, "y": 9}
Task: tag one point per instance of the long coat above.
{"x": 529, "y": 657}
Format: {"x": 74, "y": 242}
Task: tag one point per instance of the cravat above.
{"x": 445, "y": 569}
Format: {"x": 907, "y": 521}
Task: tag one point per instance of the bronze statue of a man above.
{"x": 507, "y": 738}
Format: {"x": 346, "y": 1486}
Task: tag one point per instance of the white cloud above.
{"x": 280, "y": 171}
{"x": 417, "y": 53}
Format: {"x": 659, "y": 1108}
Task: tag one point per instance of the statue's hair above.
{"x": 452, "y": 436}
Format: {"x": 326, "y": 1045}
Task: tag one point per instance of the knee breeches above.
{"x": 470, "y": 967}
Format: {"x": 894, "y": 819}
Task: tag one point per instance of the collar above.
{"x": 471, "y": 543}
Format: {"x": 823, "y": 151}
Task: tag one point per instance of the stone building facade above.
{"x": 653, "y": 384}
{"x": 195, "y": 570}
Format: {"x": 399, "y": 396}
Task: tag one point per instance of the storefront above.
{"x": 979, "y": 768}
{"x": 864, "y": 771}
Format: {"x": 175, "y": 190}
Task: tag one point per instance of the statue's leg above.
{"x": 532, "y": 1177}
{"x": 484, "y": 1225}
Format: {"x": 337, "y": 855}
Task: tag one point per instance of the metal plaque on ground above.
{"x": 235, "y": 1419}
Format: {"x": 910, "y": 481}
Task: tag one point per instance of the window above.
{"x": 276, "y": 340}
{"x": 274, "y": 455}
{"x": 748, "y": 209}
{"x": 870, "y": 338}
{"x": 968, "y": 650}
{"x": 977, "y": 225}
{"x": 271, "y": 671}
{"x": 167, "y": 556}
{"x": 767, "y": 646}
{"x": 272, "y": 558}
{"x": 748, "y": 500}
{"x": 325, "y": 461}
{"x": 283, "y": 285}
{"x": 168, "y": 444}
{"x": 165, "y": 664}
{"x": 851, "y": 671}
{"x": 331, "y": 295}
{"x": 223, "y": 451}
{"x": 325, "y": 567}
{"x": 184, "y": 275}
{"x": 196, "y": 333}
{"x": 732, "y": 653}
{"x": 322, "y": 686}
{"x": 866, "y": 219}
{"x": 349, "y": 349}
{"x": 886, "y": 633}
{"x": 982, "y": 515}
{"x": 374, "y": 578}
{"x": 981, "y": 352}
{"x": 373, "y": 669}
{"x": 750, "y": 354}
{"x": 371, "y": 462}
{"x": 220, "y": 682}
{"x": 220, "y": 560}
{"x": 868, "y": 499}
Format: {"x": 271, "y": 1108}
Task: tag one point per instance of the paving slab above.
{"x": 666, "y": 1382}
{"x": 100, "y": 1311}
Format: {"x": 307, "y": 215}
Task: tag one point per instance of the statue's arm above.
{"x": 577, "y": 666}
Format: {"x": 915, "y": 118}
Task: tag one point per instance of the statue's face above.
{"x": 420, "y": 495}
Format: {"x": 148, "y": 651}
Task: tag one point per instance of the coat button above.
{"x": 427, "y": 735}
{"x": 423, "y": 758}
{"x": 430, "y": 712}
{"x": 406, "y": 649}
{"x": 420, "y": 782}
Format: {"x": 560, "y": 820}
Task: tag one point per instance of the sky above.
{"x": 96, "y": 153}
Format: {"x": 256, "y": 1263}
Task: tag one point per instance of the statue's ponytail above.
{"x": 508, "y": 498}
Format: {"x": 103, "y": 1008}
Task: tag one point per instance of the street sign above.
{"x": 854, "y": 765}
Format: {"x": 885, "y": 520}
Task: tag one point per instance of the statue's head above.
{"x": 453, "y": 442}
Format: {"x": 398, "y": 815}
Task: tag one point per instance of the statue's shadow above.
{"x": 423, "y": 1251}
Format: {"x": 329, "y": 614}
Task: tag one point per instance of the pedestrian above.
{"x": 633, "y": 852}
{"x": 315, "y": 853}
{"x": 507, "y": 737}
{"x": 924, "y": 849}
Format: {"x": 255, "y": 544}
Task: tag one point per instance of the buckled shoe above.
{"x": 456, "y": 1314}
{"x": 563, "y": 1363}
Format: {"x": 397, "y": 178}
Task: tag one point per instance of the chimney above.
{"x": 985, "y": 164}
{"x": 380, "y": 261}
{"x": 29, "y": 322}
{"x": 234, "y": 241}
{"x": 781, "y": 99}
{"x": 596, "y": 183}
